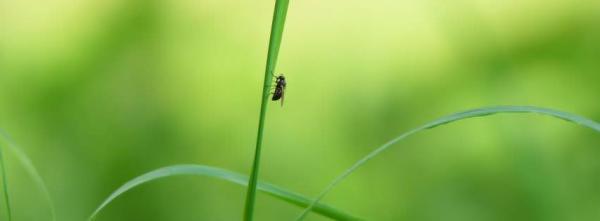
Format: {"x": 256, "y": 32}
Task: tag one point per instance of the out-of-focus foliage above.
{"x": 98, "y": 92}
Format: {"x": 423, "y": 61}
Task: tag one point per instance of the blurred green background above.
{"x": 98, "y": 92}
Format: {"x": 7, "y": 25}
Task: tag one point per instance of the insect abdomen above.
{"x": 277, "y": 94}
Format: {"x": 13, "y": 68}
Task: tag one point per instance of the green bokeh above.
{"x": 98, "y": 92}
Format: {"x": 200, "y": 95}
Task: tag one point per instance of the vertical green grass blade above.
{"x": 5, "y": 186}
{"x": 28, "y": 165}
{"x": 277, "y": 26}
{"x": 449, "y": 119}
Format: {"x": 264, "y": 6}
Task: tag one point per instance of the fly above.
{"x": 279, "y": 88}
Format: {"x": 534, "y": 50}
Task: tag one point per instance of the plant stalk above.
{"x": 5, "y": 186}
{"x": 277, "y": 25}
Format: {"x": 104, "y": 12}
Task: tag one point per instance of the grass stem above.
{"x": 277, "y": 26}
{"x": 5, "y": 186}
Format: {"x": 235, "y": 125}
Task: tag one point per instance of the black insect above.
{"x": 279, "y": 88}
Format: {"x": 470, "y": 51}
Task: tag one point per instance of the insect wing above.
{"x": 282, "y": 95}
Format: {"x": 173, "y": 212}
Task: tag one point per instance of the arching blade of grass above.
{"x": 201, "y": 170}
{"x": 5, "y": 186}
{"x": 449, "y": 119}
{"x": 28, "y": 165}
{"x": 277, "y": 25}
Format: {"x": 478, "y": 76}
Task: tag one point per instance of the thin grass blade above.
{"x": 28, "y": 165}
{"x": 5, "y": 185}
{"x": 277, "y": 26}
{"x": 213, "y": 172}
{"x": 449, "y": 119}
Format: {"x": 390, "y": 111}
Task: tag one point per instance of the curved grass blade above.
{"x": 28, "y": 165}
{"x": 449, "y": 119}
{"x": 201, "y": 170}
{"x": 5, "y": 186}
{"x": 277, "y": 26}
